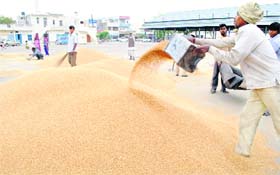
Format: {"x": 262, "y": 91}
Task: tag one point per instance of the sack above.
{"x": 181, "y": 51}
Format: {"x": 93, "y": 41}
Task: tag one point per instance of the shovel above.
{"x": 59, "y": 62}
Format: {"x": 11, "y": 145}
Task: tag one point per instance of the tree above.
{"x": 103, "y": 35}
{"x": 140, "y": 35}
{"x": 159, "y": 34}
{"x": 6, "y": 20}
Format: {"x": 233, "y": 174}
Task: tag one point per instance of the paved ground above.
{"x": 112, "y": 48}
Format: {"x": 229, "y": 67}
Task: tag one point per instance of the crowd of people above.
{"x": 36, "y": 46}
{"x": 71, "y": 47}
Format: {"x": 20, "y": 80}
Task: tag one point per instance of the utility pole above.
{"x": 92, "y": 24}
{"x": 76, "y": 19}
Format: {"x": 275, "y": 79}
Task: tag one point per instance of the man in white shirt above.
{"x": 217, "y": 65}
{"x": 274, "y": 33}
{"x": 260, "y": 68}
{"x": 72, "y": 46}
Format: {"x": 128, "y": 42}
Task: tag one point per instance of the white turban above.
{"x": 251, "y": 12}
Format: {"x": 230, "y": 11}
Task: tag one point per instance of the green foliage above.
{"x": 103, "y": 35}
{"x": 140, "y": 35}
{"x": 6, "y": 20}
{"x": 160, "y": 34}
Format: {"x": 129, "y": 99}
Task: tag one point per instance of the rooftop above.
{"x": 208, "y": 17}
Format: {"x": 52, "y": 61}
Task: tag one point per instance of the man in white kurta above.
{"x": 72, "y": 46}
{"x": 260, "y": 67}
{"x": 218, "y": 64}
{"x": 274, "y": 33}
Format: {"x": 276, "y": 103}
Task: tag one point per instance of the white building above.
{"x": 117, "y": 26}
{"x": 27, "y": 26}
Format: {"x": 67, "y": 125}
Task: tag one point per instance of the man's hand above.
{"x": 201, "y": 49}
{"x": 191, "y": 39}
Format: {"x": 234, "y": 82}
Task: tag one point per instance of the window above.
{"x": 53, "y": 22}
{"x": 45, "y": 22}
{"x": 60, "y": 23}
{"x": 37, "y": 20}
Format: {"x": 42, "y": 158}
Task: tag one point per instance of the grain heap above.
{"x": 87, "y": 120}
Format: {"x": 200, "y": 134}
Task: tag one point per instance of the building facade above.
{"x": 27, "y": 25}
{"x": 117, "y": 27}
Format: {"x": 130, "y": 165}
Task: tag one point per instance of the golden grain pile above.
{"x": 90, "y": 120}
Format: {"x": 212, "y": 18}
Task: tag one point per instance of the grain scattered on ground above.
{"x": 88, "y": 120}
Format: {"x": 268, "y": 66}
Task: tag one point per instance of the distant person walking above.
{"x": 72, "y": 46}
{"x": 37, "y": 42}
{"x": 131, "y": 47}
{"x": 178, "y": 69}
{"x": 46, "y": 43}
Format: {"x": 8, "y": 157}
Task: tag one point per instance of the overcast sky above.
{"x": 137, "y": 10}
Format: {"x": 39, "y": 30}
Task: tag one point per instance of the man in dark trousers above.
{"x": 131, "y": 47}
{"x": 217, "y": 65}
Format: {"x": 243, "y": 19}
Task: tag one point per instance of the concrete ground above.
{"x": 118, "y": 49}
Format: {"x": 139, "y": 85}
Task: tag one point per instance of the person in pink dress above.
{"x": 37, "y": 42}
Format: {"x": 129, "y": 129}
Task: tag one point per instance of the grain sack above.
{"x": 182, "y": 52}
